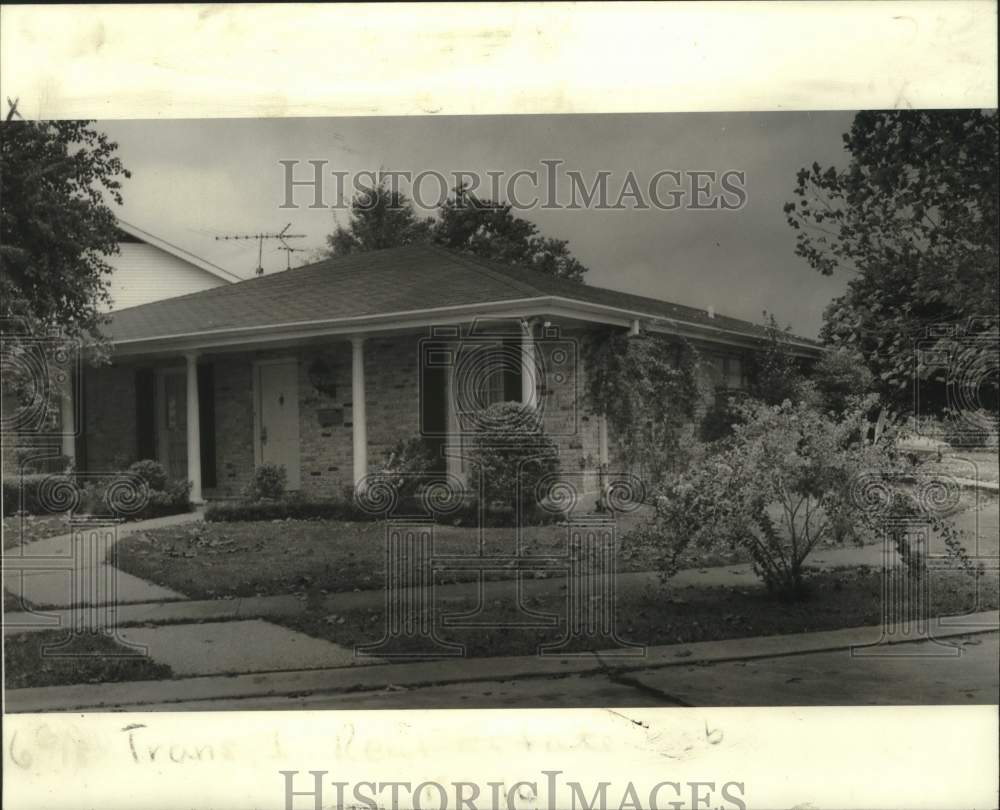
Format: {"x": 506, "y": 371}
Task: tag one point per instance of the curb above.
{"x": 158, "y": 695}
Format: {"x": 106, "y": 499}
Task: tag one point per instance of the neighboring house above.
{"x": 150, "y": 269}
{"x": 323, "y": 368}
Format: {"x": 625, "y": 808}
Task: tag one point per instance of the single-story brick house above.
{"x": 323, "y": 368}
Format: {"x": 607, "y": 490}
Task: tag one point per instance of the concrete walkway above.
{"x": 691, "y": 670}
{"x": 25, "y": 567}
{"x": 218, "y": 648}
{"x": 188, "y": 649}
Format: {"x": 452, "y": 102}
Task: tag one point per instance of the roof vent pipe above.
{"x": 711, "y": 311}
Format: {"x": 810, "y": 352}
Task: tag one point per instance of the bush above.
{"x": 29, "y": 461}
{"x": 268, "y": 481}
{"x": 151, "y": 472}
{"x": 840, "y": 378}
{"x": 37, "y": 494}
{"x": 57, "y": 494}
{"x": 786, "y": 481}
{"x": 510, "y": 456}
{"x": 719, "y": 420}
{"x": 172, "y": 499}
{"x": 408, "y": 465}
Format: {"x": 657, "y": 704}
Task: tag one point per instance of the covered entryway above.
{"x": 277, "y": 416}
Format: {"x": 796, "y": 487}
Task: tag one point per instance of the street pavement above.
{"x": 914, "y": 675}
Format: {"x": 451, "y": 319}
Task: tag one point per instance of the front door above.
{"x": 278, "y": 387}
{"x": 173, "y": 424}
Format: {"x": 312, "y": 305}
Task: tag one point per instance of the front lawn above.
{"x": 217, "y": 560}
{"x": 849, "y": 597}
{"x": 21, "y": 529}
{"x": 25, "y": 663}
{"x": 214, "y": 560}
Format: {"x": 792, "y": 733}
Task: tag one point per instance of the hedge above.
{"x": 290, "y": 509}
{"x": 175, "y": 499}
{"x": 30, "y": 486}
{"x": 304, "y": 509}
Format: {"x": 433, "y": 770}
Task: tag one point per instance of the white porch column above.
{"x": 68, "y": 419}
{"x": 359, "y": 418}
{"x": 193, "y": 428}
{"x": 529, "y": 385}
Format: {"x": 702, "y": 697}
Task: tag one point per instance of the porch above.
{"x": 329, "y": 408}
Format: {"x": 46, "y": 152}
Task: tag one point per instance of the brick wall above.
{"x": 392, "y": 408}
{"x": 326, "y": 448}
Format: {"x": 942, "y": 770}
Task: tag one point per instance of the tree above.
{"x": 381, "y": 217}
{"x": 914, "y": 218}
{"x": 774, "y": 373}
{"x": 489, "y": 229}
{"x": 789, "y": 479}
{"x": 840, "y": 377}
{"x": 56, "y": 227}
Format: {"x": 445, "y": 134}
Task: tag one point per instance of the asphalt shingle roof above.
{"x": 383, "y": 282}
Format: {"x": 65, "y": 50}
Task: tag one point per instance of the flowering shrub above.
{"x": 268, "y": 481}
{"x": 789, "y": 478}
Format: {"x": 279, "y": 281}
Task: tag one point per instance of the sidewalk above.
{"x": 264, "y": 689}
{"x": 54, "y": 587}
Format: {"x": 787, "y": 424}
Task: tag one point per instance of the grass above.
{"x": 216, "y": 560}
{"x": 18, "y": 530}
{"x": 850, "y": 597}
{"x": 96, "y": 659}
{"x": 264, "y": 558}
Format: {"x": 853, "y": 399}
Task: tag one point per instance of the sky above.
{"x": 194, "y": 180}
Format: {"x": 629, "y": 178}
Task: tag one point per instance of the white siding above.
{"x": 144, "y": 273}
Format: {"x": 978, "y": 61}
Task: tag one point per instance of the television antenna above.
{"x": 288, "y": 254}
{"x": 281, "y": 236}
